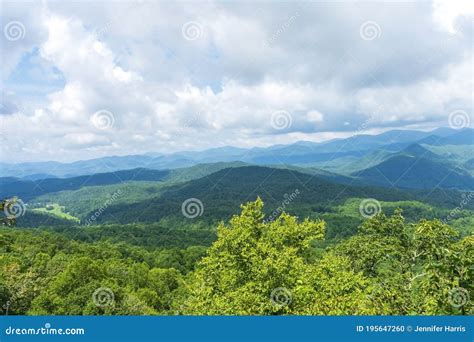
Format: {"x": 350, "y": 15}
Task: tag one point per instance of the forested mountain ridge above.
{"x": 223, "y": 191}
{"x": 29, "y": 189}
{"x": 255, "y": 267}
{"x": 417, "y": 167}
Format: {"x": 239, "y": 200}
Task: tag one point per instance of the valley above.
{"x": 158, "y": 218}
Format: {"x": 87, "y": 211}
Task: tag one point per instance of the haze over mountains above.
{"x": 344, "y": 156}
{"x": 435, "y": 168}
{"x": 432, "y": 167}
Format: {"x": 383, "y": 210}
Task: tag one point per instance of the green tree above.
{"x": 258, "y": 267}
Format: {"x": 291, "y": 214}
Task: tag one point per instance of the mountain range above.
{"x": 341, "y": 156}
{"x": 432, "y": 167}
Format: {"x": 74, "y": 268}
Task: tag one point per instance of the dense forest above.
{"x": 247, "y": 265}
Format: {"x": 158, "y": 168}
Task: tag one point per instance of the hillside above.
{"x": 464, "y": 137}
{"x": 222, "y": 193}
{"x": 28, "y": 189}
{"x": 411, "y": 172}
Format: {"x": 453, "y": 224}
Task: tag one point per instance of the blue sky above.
{"x": 87, "y": 79}
{"x": 32, "y": 81}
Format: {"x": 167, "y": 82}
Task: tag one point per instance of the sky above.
{"x": 86, "y": 79}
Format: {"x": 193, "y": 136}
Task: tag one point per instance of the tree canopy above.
{"x": 256, "y": 266}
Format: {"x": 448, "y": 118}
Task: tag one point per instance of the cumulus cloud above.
{"x": 183, "y": 75}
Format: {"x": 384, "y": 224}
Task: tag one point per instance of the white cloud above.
{"x": 314, "y": 116}
{"x": 446, "y": 13}
{"x": 168, "y": 93}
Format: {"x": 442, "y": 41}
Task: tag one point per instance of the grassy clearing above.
{"x": 57, "y": 210}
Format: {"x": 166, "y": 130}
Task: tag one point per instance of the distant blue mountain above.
{"x": 303, "y": 153}
{"x": 28, "y": 189}
{"x": 416, "y": 167}
{"x": 464, "y": 137}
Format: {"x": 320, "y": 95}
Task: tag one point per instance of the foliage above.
{"x": 389, "y": 266}
{"x": 46, "y": 273}
{"x": 414, "y": 268}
